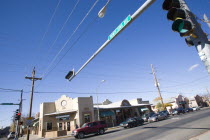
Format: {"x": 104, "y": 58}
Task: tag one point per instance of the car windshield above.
{"x": 153, "y": 115}
{"x": 84, "y": 125}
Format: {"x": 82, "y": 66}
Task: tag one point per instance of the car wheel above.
{"x": 157, "y": 120}
{"x": 125, "y": 127}
{"x": 101, "y": 131}
{"x": 80, "y": 135}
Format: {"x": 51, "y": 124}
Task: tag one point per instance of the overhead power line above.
{"x": 48, "y": 26}
{"x": 6, "y": 89}
{"x": 47, "y": 69}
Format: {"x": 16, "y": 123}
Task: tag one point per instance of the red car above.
{"x": 97, "y": 127}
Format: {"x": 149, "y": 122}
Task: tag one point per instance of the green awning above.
{"x": 144, "y": 109}
{"x": 106, "y": 113}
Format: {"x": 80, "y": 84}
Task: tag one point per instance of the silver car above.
{"x": 157, "y": 117}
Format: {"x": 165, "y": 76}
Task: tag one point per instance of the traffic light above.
{"x": 181, "y": 17}
{"x": 70, "y": 75}
{"x": 17, "y": 114}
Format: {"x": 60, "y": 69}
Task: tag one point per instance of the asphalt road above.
{"x": 182, "y": 127}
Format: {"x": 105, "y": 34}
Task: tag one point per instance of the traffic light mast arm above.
{"x": 133, "y": 17}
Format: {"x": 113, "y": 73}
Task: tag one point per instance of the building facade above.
{"x": 65, "y": 114}
{"x": 62, "y": 116}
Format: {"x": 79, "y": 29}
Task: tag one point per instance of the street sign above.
{"x": 8, "y": 104}
{"x": 29, "y": 118}
{"x": 29, "y": 122}
{"x": 120, "y": 27}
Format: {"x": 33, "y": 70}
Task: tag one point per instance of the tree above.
{"x": 12, "y": 127}
{"x": 157, "y": 99}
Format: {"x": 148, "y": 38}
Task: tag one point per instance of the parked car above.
{"x": 188, "y": 110}
{"x": 178, "y": 111}
{"x": 11, "y": 135}
{"x": 130, "y": 122}
{"x": 145, "y": 117}
{"x": 139, "y": 121}
{"x": 157, "y": 117}
{"x": 165, "y": 112}
{"x": 196, "y": 108}
{"x": 97, "y": 127}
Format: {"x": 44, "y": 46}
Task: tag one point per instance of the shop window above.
{"x": 87, "y": 118}
{"x": 49, "y": 126}
{"x": 60, "y": 126}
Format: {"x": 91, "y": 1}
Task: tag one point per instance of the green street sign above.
{"x": 120, "y": 27}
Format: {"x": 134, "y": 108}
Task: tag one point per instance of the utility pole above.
{"x": 157, "y": 85}
{"x": 31, "y": 101}
{"x": 208, "y": 93}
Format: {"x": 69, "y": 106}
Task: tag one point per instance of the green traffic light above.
{"x": 182, "y": 26}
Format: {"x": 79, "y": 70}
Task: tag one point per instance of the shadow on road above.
{"x": 176, "y": 128}
{"x": 109, "y": 132}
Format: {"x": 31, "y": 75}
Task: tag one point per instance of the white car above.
{"x": 196, "y": 108}
{"x": 11, "y": 135}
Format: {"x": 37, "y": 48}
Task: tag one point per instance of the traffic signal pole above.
{"x": 186, "y": 24}
{"x": 133, "y": 17}
{"x": 201, "y": 41}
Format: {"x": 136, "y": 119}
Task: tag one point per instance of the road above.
{"x": 182, "y": 127}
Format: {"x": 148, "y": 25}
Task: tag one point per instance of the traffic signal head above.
{"x": 177, "y": 13}
{"x": 168, "y": 4}
{"x": 17, "y": 114}
{"x": 69, "y": 75}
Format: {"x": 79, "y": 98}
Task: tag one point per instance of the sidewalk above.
{"x": 204, "y": 136}
{"x": 35, "y": 137}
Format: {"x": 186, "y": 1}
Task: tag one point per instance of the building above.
{"x": 65, "y": 114}
{"x": 62, "y": 116}
{"x": 117, "y": 112}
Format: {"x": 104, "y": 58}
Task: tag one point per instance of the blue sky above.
{"x": 26, "y": 39}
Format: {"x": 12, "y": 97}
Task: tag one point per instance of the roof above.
{"x": 60, "y": 112}
{"x": 117, "y": 105}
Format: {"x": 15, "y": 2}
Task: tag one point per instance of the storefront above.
{"x": 64, "y": 115}
{"x": 115, "y": 113}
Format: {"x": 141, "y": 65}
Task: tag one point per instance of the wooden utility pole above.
{"x": 33, "y": 79}
{"x": 157, "y": 85}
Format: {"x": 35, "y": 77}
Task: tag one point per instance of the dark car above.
{"x": 189, "y": 110}
{"x": 97, "y": 127}
{"x": 178, "y": 111}
{"x": 130, "y": 122}
{"x": 165, "y": 112}
{"x": 139, "y": 121}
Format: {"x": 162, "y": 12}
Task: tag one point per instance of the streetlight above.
{"x": 102, "y": 81}
{"x": 102, "y": 12}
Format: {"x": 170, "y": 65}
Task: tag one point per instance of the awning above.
{"x": 61, "y": 112}
{"x": 144, "y": 109}
{"x": 106, "y": 113}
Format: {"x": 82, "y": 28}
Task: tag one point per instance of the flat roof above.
{"x": 111, "y": 106}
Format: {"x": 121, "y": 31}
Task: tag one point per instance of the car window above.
{"x": 90, "y": 124}
{"x": 102, "y": 122}
{"x": 95, "y": 123}
{"x": 84, "y": 125}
